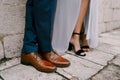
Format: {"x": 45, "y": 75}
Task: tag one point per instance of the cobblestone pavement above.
{"x": 102, "y": 63}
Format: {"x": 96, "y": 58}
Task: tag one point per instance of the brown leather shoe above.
{"x": 56, "y": 59}
{"x": 35, "y": 60}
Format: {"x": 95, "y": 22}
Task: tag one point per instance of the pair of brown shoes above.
{"x": 47, "y": 62}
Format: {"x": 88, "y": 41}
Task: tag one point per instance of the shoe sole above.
{"x": 46, "y": 71}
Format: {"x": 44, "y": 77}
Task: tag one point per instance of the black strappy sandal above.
{"x": 79, "y": 52}
{"x": 85, "y": 47}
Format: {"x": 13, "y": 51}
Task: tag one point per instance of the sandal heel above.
{"x": 70, "y": 47}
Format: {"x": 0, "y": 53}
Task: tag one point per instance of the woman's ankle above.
{"x": 76, "y": 42}
{"x": 74, "y": 38}
{"x": 84, "y": 40}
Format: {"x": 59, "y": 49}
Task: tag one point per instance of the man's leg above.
{"x": 44, "y": 16}
{"x": 29, "y": 42}
{"x": 30, "y": 47}
{"x": 43, "y": 12}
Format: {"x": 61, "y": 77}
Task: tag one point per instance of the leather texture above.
{"x": 38, "y": 62}
{"x": 56, "y": 59}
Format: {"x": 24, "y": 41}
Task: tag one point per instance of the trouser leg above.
{"x": 29, "y": 42}
{"x": 43, "y": 12}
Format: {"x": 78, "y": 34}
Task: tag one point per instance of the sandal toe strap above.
{"x": 79, "y": 52}
{"x": 85, "y": 46}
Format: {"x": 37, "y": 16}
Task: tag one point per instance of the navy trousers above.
{"x": 38, "y": 25}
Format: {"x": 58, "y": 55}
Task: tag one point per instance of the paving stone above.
{"x": 109, "y": 73}
{"x": 110, "y": 35}
{"x": 98, "y": 57}
{"x": 0, "y": 79}
{"x": 21, "y": 72}
{"x": 116, "y": 15}
{"x": 109, "y": 26}
{"x": 1, "y": 51}
{"x": 80, "y": 68}
{"x": 102, "y": 27}
{"x": 106, "y": 3}
{"x": 116, "y": 61}
{"x": 0, "y": 0}
{"x": 107, "y": 14}
{"x": 9, "y": 63}
{"x": 10, "y": 2}
{"x": 13, "y": 45}
{"x": 115, "y": 4}
{"x": 116, "y": 32}
{"x": 110, "y": 41}
{"x": 107, "y": 48}
{"x": 12, "y": 19}
{"x": 115, "y": 24}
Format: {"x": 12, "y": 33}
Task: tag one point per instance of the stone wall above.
{"x": 109, "y": 15}
{"x": 12, "y": 15}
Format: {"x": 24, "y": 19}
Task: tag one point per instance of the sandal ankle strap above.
{"x": 76, "y": 33}
{"x": 82, "y": 33}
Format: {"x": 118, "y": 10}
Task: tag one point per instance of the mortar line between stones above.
{"x": 115, "y": 65}
{"x": 19, "y": 64}
{"x": 84, "y": 59}
{"x": 97, "y": 72}
{"x": 9, "y": 67}
{"x": 12, "y": 34}
{"x": 14, "y": 4}
{"x": 110, "y": 62}
{"x": 87, "y": 60}
{"x": 102, "y": 68}
{"x": 3, "y": 47}
{"x": 111, "y": 44}
{"x": 104, "y": 52}
{"x": 93, "y": 61}
{"x": 62, "y": 75}
{"x": 1, "y": 77}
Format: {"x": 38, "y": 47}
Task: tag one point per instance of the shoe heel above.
{"x": 24, "y": 63}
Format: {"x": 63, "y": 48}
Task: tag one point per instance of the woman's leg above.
{"x": 83, "y": 10}
{"x": 84, "y": 43}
